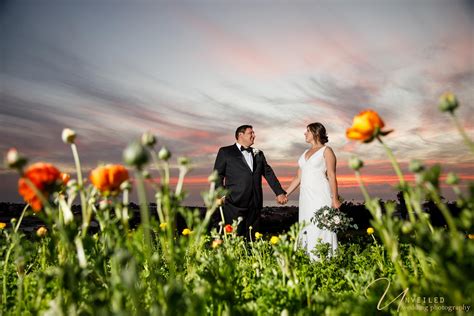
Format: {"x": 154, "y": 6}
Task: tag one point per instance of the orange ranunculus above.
{"x": 108, "y": 178}
{"x": 366, "y": 125}
{"x": 45, "y": 177}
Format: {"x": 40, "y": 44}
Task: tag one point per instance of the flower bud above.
{"x": 407, "y": 228}
{"x": 448, "y": 102}
{"x": 228, "y": 229}
{"x": 65, "y": 177}
{"x": 355, "y": 163}
{"x": 452, "y": 179}
{"x": 183, "y": 161}
{"x": 148, "y": 139}
{"x": 135, "y": 155}
{"x": 14, "y": 160}
{"x": 41, "y": 232}
{"x": 103, "y": 205}
{"x": 416, "y": 166}
{"x": 216, "y": 243}
{"x": 126, "y": 185}
{"x": 258, "y": 235}
{"x": 164, "y": 154}
{"x": 68, "y": 136}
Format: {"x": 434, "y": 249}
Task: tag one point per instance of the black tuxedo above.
{"x": 245, "y": 197}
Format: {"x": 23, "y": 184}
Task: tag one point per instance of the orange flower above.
{"x": 108, "y": 178}
{"x": 228, "y": 229}
{"x": 45, "y": 177}
{"x": 65, "y": 177}
{"x": 365, "y": 126}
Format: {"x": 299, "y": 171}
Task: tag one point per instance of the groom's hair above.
{"x": 241, "y": 129}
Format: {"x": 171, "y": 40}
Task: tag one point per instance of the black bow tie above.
{"x": 249, "y": 149}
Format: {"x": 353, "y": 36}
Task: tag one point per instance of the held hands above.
{"x": 282, "y": 199}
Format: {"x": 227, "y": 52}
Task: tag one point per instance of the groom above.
{"x": 240, "y": 168}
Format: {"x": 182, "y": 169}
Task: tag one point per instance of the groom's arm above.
{"x": 271, "y": 178}
{"x": 220, "y": 166}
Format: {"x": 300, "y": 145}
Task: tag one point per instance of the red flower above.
{"x": 45, "y": 177}
{"x": 228, "y": 229}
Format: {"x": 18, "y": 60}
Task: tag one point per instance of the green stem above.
{"x": 125, "y": 217}
{"x": 7, "y": 257}
{"x": 80, "y": 182}
{"x": 145, "y": 221}
{"x": 169, "y": 217}
{"x": 179, "y": 185}
{"x": 362, "y": 186}
{"x": 442, "y": 207}
{"x": 461, "y": 130}
{"x": 20, "y": 219}
{"x": 401, "y": 178}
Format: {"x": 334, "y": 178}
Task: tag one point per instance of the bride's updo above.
{"x": 319, "y": 132}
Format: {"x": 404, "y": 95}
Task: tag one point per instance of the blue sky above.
{"x": 191, "y": 72}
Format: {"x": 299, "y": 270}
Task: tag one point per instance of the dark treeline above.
{"x": 274, "y": 220}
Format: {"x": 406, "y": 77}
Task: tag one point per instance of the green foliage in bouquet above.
{"x": 332, "y": 219}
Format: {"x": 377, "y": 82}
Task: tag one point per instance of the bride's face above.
{"x": 308, "y": 136}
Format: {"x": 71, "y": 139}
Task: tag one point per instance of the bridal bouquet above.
{"x": 332, "y": 219}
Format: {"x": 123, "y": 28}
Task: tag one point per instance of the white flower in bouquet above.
{"x": 332, "y": 219}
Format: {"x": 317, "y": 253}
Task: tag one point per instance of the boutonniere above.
{"x": 255, "y": 151}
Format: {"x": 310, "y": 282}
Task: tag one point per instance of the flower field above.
{"x": 398, "y": 266}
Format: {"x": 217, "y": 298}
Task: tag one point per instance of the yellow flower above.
{"x": 186, "y": 232}
{"x": 274, "y": 240}
{"x": 163, "y": 225}
{"x": 365, "y": 126}
{"x": 370, "y": 230}
{"x": 2, "y": 225}
{"x": 41, "y": 232}
{"x": 216, "y": 243}
{"x": 258, "y": 235}
{"x": 470, "y": 236}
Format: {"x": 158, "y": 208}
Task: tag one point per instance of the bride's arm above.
{"x": 294, "y": 183}
{"x": 331, "y": 171}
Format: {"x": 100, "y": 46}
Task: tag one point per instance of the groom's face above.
{"x": 247, "y": 138}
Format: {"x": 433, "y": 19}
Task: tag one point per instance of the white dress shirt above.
{"x": 248, "y": 156}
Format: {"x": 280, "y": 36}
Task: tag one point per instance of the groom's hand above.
{"x": 282, "y": 199}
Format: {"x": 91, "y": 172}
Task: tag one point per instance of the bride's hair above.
{"x": 319, "y": 132}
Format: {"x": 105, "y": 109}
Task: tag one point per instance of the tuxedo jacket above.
{"x": 244, "y": 186}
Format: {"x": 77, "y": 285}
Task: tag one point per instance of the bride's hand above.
{"x": 336, "y": 203}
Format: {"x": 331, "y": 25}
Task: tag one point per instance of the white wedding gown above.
{"x": 314, "y": 194}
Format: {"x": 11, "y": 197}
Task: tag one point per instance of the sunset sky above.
{"x": 191, "y": 72}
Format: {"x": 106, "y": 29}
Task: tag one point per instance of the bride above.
{"x": 318, "y": 187}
